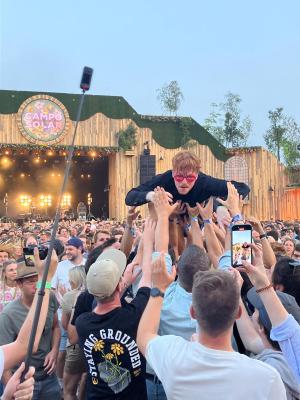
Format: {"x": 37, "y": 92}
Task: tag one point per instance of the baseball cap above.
{"x": 288, "y": 302}
{"x": 75, "y": 241}
{"x": 23, "y": 271}
{"x": 105, "y": 274}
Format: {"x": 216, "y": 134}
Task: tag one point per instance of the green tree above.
{"x": 225, "y": 123}
{"x": 276, "y": 136}
{"x": 290, "y": 152}
{"x": 170, "y": 97}
{"x": 213, "y": 123}
{"x": 283, "y": 136}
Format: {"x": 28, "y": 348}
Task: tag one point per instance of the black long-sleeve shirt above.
{"x": 205, "y": 187}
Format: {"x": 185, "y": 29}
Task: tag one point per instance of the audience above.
{"x": 162, "y": 290}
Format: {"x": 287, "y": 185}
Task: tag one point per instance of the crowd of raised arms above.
{"x": 154, "y": 308}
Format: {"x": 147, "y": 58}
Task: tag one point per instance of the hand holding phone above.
{"x": 241, "y": 236}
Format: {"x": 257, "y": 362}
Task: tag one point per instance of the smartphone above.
{"x": 241, "y": 235}
{"x": 28, "y": 253}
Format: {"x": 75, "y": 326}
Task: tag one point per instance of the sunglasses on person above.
{"x": 188, "y": 178}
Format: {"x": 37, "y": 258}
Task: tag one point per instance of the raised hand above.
{"x": 207, "y": 211}
{"x": 40, "y": 264}
{"x": 132, "y": 215}
{"x": 161, "y": 279}
{"x": 131, "y": 273}
{"x": 256, "y": 271}
{"x": 193, "y": 211}
{"x": 233, "y": 200}
{"x": 256, "y": 224}
{"x": 151, "y": 195}
{"x": 161, "y": 203}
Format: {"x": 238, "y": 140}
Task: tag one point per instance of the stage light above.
{"x": 53, "y": 175}
{"x": 93, "y": 154}
{"x": 81, "y": 176}
{"x": 7, "y": 152}
{"x": 66, "y": 201}
{"x": 50, "y": 153}
{"x": 45, "y": 161}
{"x": 5, "y": 163}
{"x": 37, "y": 160}
{"x": 25, "y": 200}
{"x": 45, "y": 200}
{"x": 22, "y": 175}
{"x": 88, "y": 175}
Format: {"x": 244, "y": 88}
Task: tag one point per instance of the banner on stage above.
{"x": 43, "y": 120}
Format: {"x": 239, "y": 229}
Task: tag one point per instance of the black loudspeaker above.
{"x": 147, "y": 167}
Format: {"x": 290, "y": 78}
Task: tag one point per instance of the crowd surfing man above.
{"x": 184, "y": 182}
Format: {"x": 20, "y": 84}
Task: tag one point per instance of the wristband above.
{"x": 263, "y": 236}
{"x": 47, "y": 285}
{"x": 264, "y": 288}
{"x": 207, "y": 221}
{"x": 194, "y": 219}
{"x": 236, "y": 218}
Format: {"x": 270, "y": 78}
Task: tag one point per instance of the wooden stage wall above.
{"x": 265, "y": 172}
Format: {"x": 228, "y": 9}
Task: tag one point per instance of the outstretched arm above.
{"x": 218, "y": 187}
{"x": 138, "y": 196}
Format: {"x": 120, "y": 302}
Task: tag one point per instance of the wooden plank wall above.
{"x": 265, "y": 171}
{"x": 291, "y": 203}
{"x": 267, "y": 180}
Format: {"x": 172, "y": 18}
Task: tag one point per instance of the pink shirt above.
{"x": 7, "y": 295}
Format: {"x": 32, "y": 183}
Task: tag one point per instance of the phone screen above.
{"x": 28, "y": 256}
{"x": 241, "y": 235}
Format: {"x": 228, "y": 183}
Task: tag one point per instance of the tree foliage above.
{"x": 225, "y": 123}
{"x": 127, "y": 138}
{"x": 170, "y": 97}
{"x": 275, "y": 136}
{"x": 283, "y": 136}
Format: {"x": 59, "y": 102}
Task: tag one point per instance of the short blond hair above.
{"x": 186, "y": 161}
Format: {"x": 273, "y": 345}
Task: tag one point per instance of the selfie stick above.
{"x": 84, "y": 85}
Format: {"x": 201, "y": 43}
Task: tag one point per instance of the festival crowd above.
{"x": 155, "y": 308}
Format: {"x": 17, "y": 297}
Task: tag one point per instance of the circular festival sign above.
{"x": 43, "y": 119}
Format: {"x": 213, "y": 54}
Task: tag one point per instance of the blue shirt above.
{"x": 287, "y": 334}
{"x": 175, "y": 318}
{"x": 225, "y": 260}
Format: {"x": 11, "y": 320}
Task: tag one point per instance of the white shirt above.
{"x": 190, "y": 371}
{"x": 61, "y": 276}
{"x": 1, "y": 362}
{"x": 60, "y": 280}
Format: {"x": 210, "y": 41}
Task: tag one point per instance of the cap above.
{"x": 288, "y": 302}
{"x": 75, "y": 241}
{"x": 105, "y": 274}
{"x": 23, "y": 271}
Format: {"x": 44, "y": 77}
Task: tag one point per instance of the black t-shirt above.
{"x": 116, "y": 368}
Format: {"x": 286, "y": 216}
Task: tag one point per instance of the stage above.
{"x": 32, "y": 182}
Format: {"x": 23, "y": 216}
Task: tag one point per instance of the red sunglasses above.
{"x": 189, "y": 178}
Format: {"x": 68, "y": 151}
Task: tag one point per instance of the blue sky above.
{"x": 210, "y": 48}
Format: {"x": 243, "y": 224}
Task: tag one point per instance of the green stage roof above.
{"x": 168, "y": 132}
